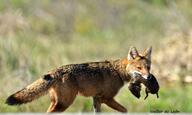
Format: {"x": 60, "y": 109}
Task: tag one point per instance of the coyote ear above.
{"x": 147, "y": 53}
{"x": 132, "y": 53}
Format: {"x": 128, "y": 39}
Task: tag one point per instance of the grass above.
{"x": 38, "y": 36}
{"x": 171, "y": 99}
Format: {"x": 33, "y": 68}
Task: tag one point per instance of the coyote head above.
{"x": 139, "y": 63}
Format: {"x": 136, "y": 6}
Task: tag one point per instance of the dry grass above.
{"x": 37, "y": 36}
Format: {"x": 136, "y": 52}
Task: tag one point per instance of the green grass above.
{"x": 25, "y": 59}
{"x": 38, "y": 36}
{"x": 170, "y": 99}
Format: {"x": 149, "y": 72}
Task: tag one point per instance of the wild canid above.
{"x": 101, "y": 80}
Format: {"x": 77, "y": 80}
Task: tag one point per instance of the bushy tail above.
{"x": 33, "y": 91}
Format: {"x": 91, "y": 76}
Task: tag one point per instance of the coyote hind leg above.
{"x": 115, "y": 105}
{"x": 61, "y": 98}
{"x": 61, "y": 105}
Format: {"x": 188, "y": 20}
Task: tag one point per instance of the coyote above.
{"x": 100, "y": 80}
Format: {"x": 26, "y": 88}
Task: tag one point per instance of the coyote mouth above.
{"x": 138, "y": 74}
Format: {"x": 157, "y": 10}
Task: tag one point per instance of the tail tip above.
{"x": 11, "y": 100}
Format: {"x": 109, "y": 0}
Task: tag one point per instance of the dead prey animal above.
{"x": 150, "y": 83}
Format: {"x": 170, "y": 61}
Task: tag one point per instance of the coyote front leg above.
{"x": 96, "y": 104}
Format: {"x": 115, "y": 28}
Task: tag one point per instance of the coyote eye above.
{"x": 139, "y": 67}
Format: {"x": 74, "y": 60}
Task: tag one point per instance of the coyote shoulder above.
{"x": 100, "y": 80}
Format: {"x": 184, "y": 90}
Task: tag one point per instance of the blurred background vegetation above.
{"x": 39, "y": 35}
